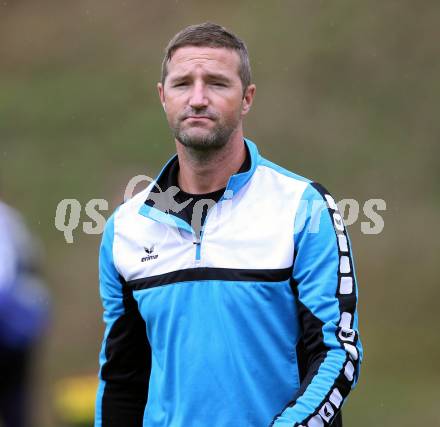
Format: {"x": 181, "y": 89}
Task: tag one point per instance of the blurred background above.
{"x": 348, "y": 94}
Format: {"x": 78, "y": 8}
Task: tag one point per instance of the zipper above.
{"x": 199, "y": 236}
{"x": 197, "y": 242}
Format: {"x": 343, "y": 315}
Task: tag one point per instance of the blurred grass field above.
{"x": 347, "y": 94}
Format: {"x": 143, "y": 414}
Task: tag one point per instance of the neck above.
{"x": 203, "y": 171}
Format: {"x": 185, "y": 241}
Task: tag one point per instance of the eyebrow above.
{"x": 210, "y": 76}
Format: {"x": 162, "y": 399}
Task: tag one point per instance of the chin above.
{"x": 201, "y": 142}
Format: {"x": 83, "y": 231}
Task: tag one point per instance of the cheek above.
{"x": 171, "y": 111}
{"x": 232, "y": 108}
{"x": 173, "y": 102}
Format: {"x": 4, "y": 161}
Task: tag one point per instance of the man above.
{"x": 228, "y": 285}
{"x": 24, "y": 310}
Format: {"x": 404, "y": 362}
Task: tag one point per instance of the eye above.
{"x": 180, "y": 84}
{"x": 219, "y": 84}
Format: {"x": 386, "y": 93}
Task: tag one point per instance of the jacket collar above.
{"x": 235, "y": 183}
{"x": 238, "y": 181}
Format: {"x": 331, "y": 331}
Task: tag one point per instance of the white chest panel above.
{"x": 253, "y": 230}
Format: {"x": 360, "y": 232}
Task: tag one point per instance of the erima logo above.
{"x": 347, "y": 334}
{"x": 149, "y": 250}
{"x": 326, "y": 413}
{"x": 150, "y": 255}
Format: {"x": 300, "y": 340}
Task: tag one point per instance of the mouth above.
{"x": 198, "y": 118}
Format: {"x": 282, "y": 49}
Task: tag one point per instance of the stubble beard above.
{"x": 208, "y": 141}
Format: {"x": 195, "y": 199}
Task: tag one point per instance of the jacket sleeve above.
{"x": 8, "y": 264}
{"x": 325, "y": 287}
{"x": 125, "y": 358}
{"x": 24, "y": 300}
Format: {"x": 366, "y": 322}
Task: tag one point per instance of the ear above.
{"x": 161, "y": 92}
{"x": 248, "y": 99}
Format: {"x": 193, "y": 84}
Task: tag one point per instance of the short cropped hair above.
{"x": 209, "y": 35}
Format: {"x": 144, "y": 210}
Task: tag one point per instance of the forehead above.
{"x": 192, "y": 58}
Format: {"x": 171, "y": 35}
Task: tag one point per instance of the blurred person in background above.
{"x": 228, "y": 284}
{"x": 24, "y": 310}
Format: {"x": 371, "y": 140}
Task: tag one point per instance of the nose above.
{"x": 198, "y": 98}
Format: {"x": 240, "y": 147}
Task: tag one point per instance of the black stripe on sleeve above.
{"x": 312, "y": 350}
{"x": 127, "y": 368}
{"x": 207, "y": 273}
{"x": 347, "y": 301}
{"x": 328, "y": 411}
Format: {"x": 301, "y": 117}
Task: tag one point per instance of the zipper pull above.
{"x": 197, "y": 242}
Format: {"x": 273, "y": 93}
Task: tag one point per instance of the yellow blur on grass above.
{"x": 75, "y": 399}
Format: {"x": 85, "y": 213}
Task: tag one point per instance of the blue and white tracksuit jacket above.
{"x": 253, "y": 324}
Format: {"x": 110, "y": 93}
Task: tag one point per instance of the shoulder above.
{"x": 125, "y": 214}
{"x": 284, "y": 179}
{"x": 9, "y": 217}
{"x": 272, "y": 167}
{"x": 308, "y": 197}
{"x": 129, "y": 209}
